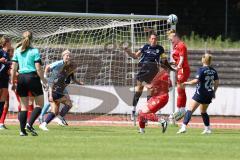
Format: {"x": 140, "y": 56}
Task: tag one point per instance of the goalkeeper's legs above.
{"x": 148, "y": 112}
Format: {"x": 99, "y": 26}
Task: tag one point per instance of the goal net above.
{"x": 96, "y": 42}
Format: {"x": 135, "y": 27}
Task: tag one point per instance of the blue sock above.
{"x": 64, "y": 110}
{"x": 205, "y": 118}
{"x": 50, "y": 117}
{"x": 187, "y": 117}
{"x": 45, "y": 109}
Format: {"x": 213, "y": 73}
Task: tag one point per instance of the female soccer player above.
{"x": 150, "y": 56}
{"x": 159, "y": 88}
{"x": 5, "y": 44}
{"x": 29, "y": 80}
{"x": 180, "y": 57}
{"x": 61, "y": 75}
{"x": 207, "y": 84}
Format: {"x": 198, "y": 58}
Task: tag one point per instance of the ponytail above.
{"x": 207, "y": 59}
{"x": 26, "y": 41}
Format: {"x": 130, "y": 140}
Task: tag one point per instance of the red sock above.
{"x": 4, "y": 114}
{"x": 30, "y": 109}
{"x": 141, "y": 120}
{"x": 182, "y": 98}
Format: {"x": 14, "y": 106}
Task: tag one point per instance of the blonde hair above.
{"x": 65, "y": 52}
{"x": 26, "y": 41}
{"x": 172, "y": 33}
{"x": 207, "y": 59}
{"x": 3, "y": 41}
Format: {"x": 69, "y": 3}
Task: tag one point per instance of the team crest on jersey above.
{"x": 157, "y": 50}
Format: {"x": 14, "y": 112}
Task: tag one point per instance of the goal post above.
{"x": 96, "y": 42}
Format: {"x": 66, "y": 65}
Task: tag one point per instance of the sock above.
{"x": 50, "y": 117}
{"x": 35, "y": 113}
{"x": 45, "y": 109}
{"x": 148, "y": 97}
{"x": 181, "y": 98}
{"x": 1, "y": 108}
{"x": 141, "y": 120}
{"x": 136, "y": 98}
{"x": 23, "y": 120}
{"x": 30, "y": 109}
{"x": 64, "y": 110}
{"x": 4, "y": 114}
{"x": 187, "y": 117}
{"x": 205, "y": 118}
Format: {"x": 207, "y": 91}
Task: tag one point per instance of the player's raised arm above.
{"x": 134, "y": 55}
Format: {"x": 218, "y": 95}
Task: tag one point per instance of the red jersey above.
{"x": 161, "y": 83}
{"x": 180, "y": 50}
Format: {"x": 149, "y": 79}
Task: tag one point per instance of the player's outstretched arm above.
{"x": 76, "y": 81}
{"x": 165, "y": 64}
{"x": 194, "y": 81}
{"x": 132, "y": 54}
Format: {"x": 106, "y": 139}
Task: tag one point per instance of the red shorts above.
{"x": 183, "y": 75}
{"x": 155, "y": 103}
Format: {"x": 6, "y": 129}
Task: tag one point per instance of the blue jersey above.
{"x": 60, "y": 77}
{"x": 206, "y": 76}
{"x": 4, "y": 67}
{"x": 151, "y": 53}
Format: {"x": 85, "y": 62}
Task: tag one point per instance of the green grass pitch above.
{"x": 119, "y": 143}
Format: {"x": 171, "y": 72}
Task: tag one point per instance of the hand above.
{"x": 214, "y": 95}
{"x": 182, "y": 84}
{"x": 81, "y": 83}
{"x": 45, "y": 85}
{"x": 149, "y": 86}
{"x": 14, "y": 87}
{"x": 50, "y": 99}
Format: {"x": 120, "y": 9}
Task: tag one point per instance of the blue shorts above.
{"x": 4, "y": 82}
{"x": 147, "y": 72}
{"x": 202, "y": 99}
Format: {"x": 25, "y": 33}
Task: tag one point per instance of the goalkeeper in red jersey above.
{"x": 159, "y": 88}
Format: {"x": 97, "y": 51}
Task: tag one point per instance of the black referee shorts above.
{"x": 29, "y": 82}
{"x": 147, "y": 72}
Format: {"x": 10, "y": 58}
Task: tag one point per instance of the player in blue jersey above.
{"x": 151, "y": 55}
{"x": 5, "y": 44}
{"x": 207, "y": 83}
{"x": 61, "y": 74}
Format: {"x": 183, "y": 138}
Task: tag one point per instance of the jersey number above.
{"x": 209, "y": 82}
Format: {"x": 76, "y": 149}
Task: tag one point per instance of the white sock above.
{"x": 141, "y": 129}
{"x": 184, "y": 126}
{"x": 207, "y": 127}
